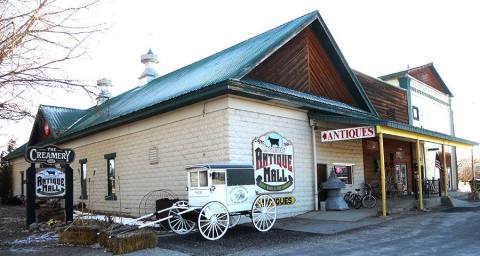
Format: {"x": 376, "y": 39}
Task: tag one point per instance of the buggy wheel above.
{"x": 213, "y": 220}
{"x": 177, "y": 223}
{"x": 369, "y": 201}
{"x": 264, "y": 213}
{"x": 234, "y": 220}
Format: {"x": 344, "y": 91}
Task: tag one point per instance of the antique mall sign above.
{"x": 50, "y": 182}
{"x": 348, "y": 134}
{"x": 273, "y": 164}
{"x": 49, "y": 155}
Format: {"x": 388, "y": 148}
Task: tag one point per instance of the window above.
{"x": 203, "y": 178}
{"x": 236, "y": 177}
{"x": 415, "y": 114}
{"x": 344, "y": 173}
{"x": 194, "y": 179}
{"x": 198, "y": 179}
{"x": 83, "y": 179}
{"x": 110, "y": 177}
{"x": 218, "y": 178}
{"x": 22, "y": 181}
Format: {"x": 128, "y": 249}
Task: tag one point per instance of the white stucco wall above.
{"x": 249, "y": 119}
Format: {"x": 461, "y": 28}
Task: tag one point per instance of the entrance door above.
{"x": 401, "y": 178}
{"x": 321, "y": 177}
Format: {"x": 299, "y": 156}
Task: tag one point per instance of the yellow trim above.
{"x": 445, "y": 176}
{"x": 419, "y": 177}
{"x": 382, "y": 175}
{"x": 416, "y": 136}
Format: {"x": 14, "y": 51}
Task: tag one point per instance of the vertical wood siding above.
{"x": 426, "y": 75}
{"x": 390, "y": 102}
{"x": 303, "y": 64}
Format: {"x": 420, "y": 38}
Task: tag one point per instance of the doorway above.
{"x": 321, "y": 177}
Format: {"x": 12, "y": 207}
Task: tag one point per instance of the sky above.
{"x": 376, "y": 38}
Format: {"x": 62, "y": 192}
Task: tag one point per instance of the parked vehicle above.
{"x": 218, "y": 196}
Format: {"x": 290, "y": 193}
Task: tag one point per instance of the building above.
{"x": 430, "y": 108}
{"x": 290, "y": 86}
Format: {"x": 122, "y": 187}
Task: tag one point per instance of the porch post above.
{"x": 419, "y": 178}
{"x": 382, "y": 175}
{"x": 474, "y": 181}
{"x": 445, "y": 176}
{"x": 473, "y": 166}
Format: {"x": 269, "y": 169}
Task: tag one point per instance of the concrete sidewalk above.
{"x": 335, "y": 222}
{"x": 460, "y": 200}
{"x": 330, "y": 222}
{"x": 325, "y": 227}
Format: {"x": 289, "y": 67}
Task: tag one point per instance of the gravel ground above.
{"x": 12, "y": 223}
{"x": 449, "y": 232}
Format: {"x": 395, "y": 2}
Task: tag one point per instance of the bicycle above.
{"x": 353, "y": 199}
{"x": 356, "y": 200}
{"x": 368, "y": 199}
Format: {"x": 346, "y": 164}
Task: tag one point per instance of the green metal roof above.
{"x": 16, "y": 152}
{"x": 60, "y": 119}
{"x": 388, "y": 123}
{"x": 230, "y": 63}
{"x": 203, "y": 78}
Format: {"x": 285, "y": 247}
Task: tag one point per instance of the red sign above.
{"x": 348, "y": 134}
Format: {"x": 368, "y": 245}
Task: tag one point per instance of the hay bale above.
{"x": 132, "y": 241}
{"x": 79, "y": 235}
{"x": 103, "y": 239}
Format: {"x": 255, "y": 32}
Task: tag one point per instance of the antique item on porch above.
{"x": 218, "y": 196}
{"x": 335, "y": 200}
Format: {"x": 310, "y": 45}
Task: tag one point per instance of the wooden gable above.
{"x": 303, "y": 64}
{"x": 391, "y": 102}
{"x": 426, "y": 75}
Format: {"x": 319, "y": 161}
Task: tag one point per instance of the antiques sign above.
{"x": 348, "y": 133}
{"x": 273, "y": 164}
{"x": 49, "y": 155}
{"x": 288, "y": 200}
{"x": 50, "y": 182}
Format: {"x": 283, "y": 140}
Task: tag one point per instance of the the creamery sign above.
{"x": 49, "y": 155}
{"x": 273, "y": 163}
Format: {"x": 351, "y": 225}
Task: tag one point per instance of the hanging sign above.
{"x": 273, "y": 164}
{"x": 348, "y": 134}
{"x": 49, "y": 155}
{"x": 50, "y": 182}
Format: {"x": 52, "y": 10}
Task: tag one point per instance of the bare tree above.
{"x": 37, "y": 37}
{"x": 465, "y": 169}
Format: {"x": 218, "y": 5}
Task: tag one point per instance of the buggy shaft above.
{"x": 164, "y": 219}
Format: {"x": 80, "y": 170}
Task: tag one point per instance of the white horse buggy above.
{"x": 218, "y": 196}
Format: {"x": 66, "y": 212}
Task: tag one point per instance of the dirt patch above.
{"x": 12, "y": 223}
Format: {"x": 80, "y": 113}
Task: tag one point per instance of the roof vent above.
{"x": 148, "y": 59}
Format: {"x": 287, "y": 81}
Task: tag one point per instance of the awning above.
{"x": 398, "y": 129}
